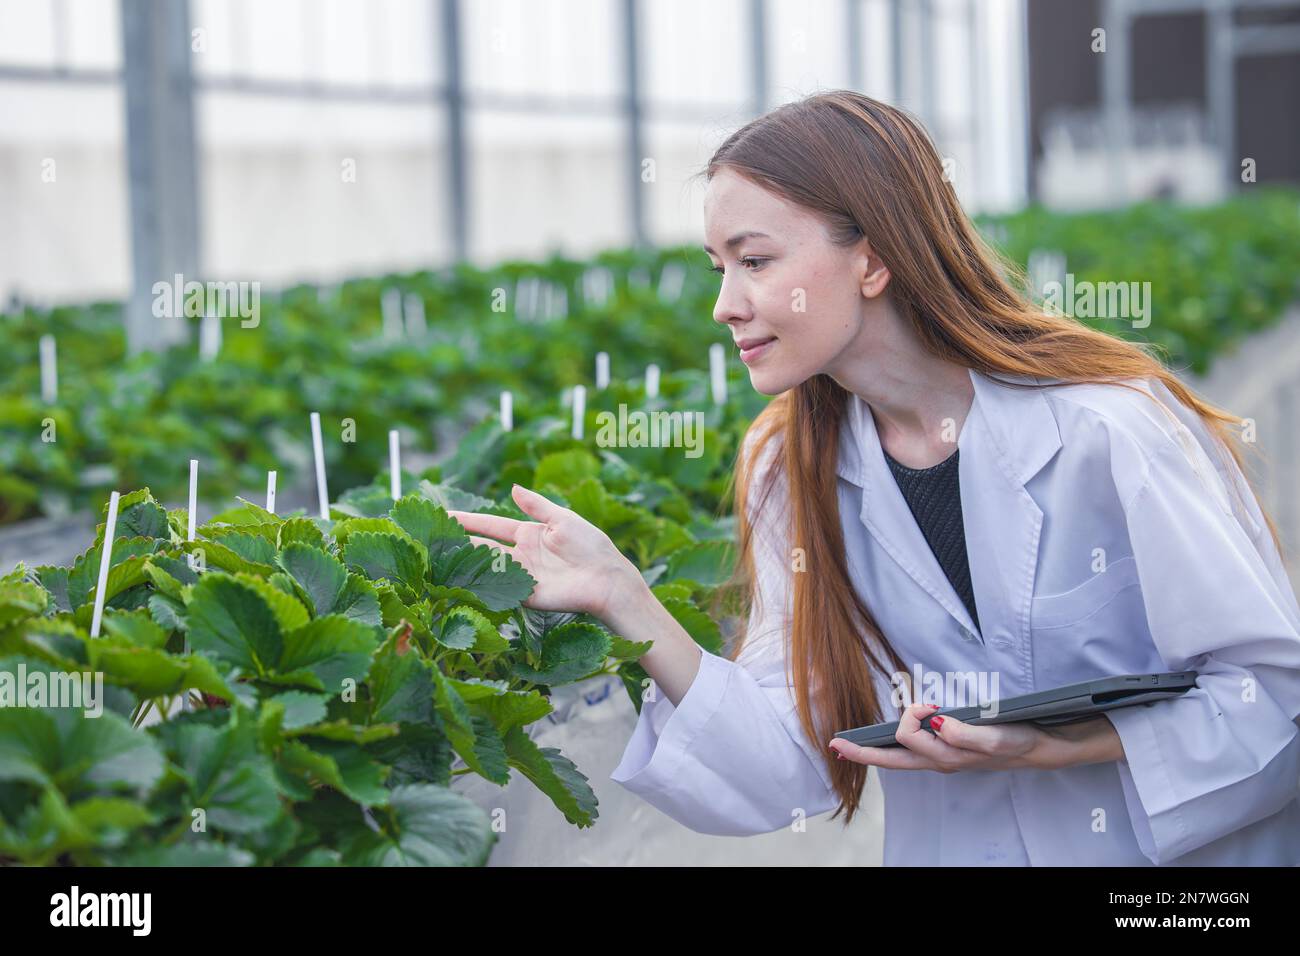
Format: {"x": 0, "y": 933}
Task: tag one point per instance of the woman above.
{"x": 952, "y": 482}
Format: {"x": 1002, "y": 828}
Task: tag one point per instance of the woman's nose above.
{"x": 731, "y": 306}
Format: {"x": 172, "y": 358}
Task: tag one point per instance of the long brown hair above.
{"x": 869, "y": 169}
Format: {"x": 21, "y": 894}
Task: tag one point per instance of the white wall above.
{"x": 276, "y": 208}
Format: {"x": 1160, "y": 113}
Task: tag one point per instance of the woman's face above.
{"x": 791, "y": 298}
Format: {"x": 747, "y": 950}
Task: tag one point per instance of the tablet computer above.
{"x": 1059, "y": 705}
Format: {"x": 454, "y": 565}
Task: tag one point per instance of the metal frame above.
{"x": 1225, "y": 42}
{"x": 160, "y": 91}
{"x": 162, "y": 173}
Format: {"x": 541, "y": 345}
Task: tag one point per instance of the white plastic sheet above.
{"x": 591, "y": 725}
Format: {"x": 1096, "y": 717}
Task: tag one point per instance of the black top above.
{"x": 934, "y": 496}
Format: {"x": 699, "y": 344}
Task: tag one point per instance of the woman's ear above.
{"x": 874, "y": 275}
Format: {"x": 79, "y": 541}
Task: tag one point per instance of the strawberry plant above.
{"x": 349, "y": 670}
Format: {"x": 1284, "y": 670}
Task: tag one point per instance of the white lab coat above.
{"x": 1054, "y": 482}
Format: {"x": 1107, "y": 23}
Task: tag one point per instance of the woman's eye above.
{"x": 753, "y": 263}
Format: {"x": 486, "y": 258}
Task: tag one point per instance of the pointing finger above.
{"x": 496, "y": 526}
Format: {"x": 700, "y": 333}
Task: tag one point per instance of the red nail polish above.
{"x": 838, "y": 755}
{"x": 936, "y": 723}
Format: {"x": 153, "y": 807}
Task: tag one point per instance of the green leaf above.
{"x": 491, "y": 575}
{"x": 170, "y": 576}
{"x": 346, "y": 527}
{"x": 139, "y": 516}
{"x": 62, "y": 748}
{"x": 512, "y": 708}
{"x": 50, "y": 828}
{"x": 246, "y": 513}
{"x": 233, "y": 622}
{"x": 225, "y": 774}
{"x": 301, "y": 531}
{"x": 218, "y": 555}
{"x": 419, "y": 753}
{"x": 401, "y": 687}
{"x": 708, "y": 563}
{"x": 151, "y": 672}
{"x": 464, "y": 628}
{"x": 385, "y": 556}
{"x": 300, "y": 709}
{"x": 345, "y": 732}
{"x": 186, "y": 854}
{"x": 431, "y": 527}
{"x": 332, "y": 648}
{"x": 696, "y": 623}
{"x": 367, "y": 501}
{"x": 253, "y": 548}
{"x": 569, "y": 653}
{"x": 55, "y": 580}
{"x": 555, "y": 775}
{"x": 343, "y": 766}
{"x": 359, "y": 601}
{"x": 167, "y": 613}
{"x": 84, "y": 576}
{"x": 621, "y": 649}
{"x": 135, "y": 627}
{"x": 472, "y": 735}
{"x": 454, "y": 499}
{"x": 289, "y": 611}
{"x": 20, "y": 600}
{"x": 320, "y": 575}
{"x": 565, "y": 470}
{"x": 425, "y": 825}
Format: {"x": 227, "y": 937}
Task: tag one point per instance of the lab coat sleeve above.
{"x": 1226, "y": 753}
{"x": 731, "y": 759}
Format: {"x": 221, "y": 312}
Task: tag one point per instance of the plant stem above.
{"x": 142, "y": 711}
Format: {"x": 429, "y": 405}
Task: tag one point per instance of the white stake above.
{"x": 270, "y": 492}
{"x": 318, "y": 449}
{"x": 507, "y": 412}
{"x": 49, "y": 371}
{"x": 602, "y": 370}
{"x": 194, "y": 498}
{"x": 534, "y": 297}
{"x": 670, "y": 281}
{"x": 394, "y": 464}
{"x": 191, "y": 519}
{"x": 718, "y": 373}
{"x": 110, "y": 529}
{"x": 209, "y": 337}
{"x": 579, "y": 409}
{"x": 651, "y": 381}
{"x": 390, "y": 305}
{"x": 416, "y": 324}
{"x": 546, "y": 299}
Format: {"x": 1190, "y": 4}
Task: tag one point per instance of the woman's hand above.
{"x": 960, "y": 746}
{"x": 575, "y": 565}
